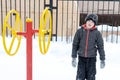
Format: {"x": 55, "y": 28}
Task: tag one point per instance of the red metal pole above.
{"x": 29, "y": 49}
{"x": 28, "y": 34}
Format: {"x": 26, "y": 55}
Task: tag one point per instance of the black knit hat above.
{"x": 92, "y": 17}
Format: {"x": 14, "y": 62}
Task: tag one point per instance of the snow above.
{"x": 56, "y": 64}
{"x": 108, "y": 28}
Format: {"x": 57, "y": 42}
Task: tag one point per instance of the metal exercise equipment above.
{"x": 13, "y": 30}
{"x": 44, "y": 36}
{"x": 43, "y": 31}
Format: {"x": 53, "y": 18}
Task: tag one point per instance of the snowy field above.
{"x": 56, "y": 64}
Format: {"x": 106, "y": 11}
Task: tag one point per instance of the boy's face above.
{"x": 89, "y": 24}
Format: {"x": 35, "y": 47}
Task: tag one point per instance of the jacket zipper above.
{"x": 86, "y": 47}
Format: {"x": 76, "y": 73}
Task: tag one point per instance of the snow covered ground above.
{"x": 56, "y": 64}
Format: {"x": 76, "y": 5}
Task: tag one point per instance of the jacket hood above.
{"x": 84, "y": 26}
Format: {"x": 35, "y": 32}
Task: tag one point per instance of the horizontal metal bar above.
{"x": 88, "y": 0}
{"x": 54, "y": 7}
{"x": 47, "y": 5}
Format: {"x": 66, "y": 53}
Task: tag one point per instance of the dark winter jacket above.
{"x": 87, "y": 42}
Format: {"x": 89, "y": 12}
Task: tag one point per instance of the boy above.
{"x": 87, "y": 41}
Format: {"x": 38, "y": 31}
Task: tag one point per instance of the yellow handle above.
{"x": 45, "y": 33}
{"x": 17, "y": 27}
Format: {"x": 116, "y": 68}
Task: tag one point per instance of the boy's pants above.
{"x": 86, "y": 68}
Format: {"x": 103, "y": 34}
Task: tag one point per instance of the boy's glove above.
{"x": 102, "y": 64}
{"x": 74, "y": 63}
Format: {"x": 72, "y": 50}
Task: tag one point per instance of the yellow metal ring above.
{"x": 13, "y": 31}
{"x": 45, "y": 33}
